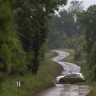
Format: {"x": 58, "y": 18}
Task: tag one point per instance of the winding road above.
{"x": 66, "y": 89}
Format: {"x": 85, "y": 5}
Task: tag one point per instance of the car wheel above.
{"x": 61, "y": 80}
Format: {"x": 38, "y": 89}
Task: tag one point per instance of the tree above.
{"x": 76, "y": 6}
{"x": 12, "y": 56}
{"x": 32, "y": 17}
{"x": 64, "y": 31}
{"x": 58, "y": 29}
{"x": 89, "y": 20}
{"x": 5, "y": 34}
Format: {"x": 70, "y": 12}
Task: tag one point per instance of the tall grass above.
{"x": 31, "y": 84}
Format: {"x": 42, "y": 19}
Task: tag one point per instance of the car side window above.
{"x": 67, "y": 76}
{"x": 72, "y": 75}
{"x": 78, "y": 75}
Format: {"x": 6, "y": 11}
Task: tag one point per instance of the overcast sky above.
{"x": 86, "y": 3}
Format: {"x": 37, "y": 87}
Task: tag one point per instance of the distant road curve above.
{"x": 66, "y": 89}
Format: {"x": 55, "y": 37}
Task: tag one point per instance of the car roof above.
{"x": 74, "y": 73}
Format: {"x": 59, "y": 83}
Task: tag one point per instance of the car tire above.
{"x": 61, "y": 80}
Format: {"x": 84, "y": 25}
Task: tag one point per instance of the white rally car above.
{"x": 71, "y": 77}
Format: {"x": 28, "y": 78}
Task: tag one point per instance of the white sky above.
{"x": 86, "y": 3}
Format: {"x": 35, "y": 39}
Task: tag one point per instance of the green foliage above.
{"x": 30, "y": 57}
{"x": 5, "y": 50}
{"x": 64, "y": 31}
{"x": 18, "y": 60}
{"x": 20, "y": 43}
{"x": 88, "y": 18}
{"x": 80, "y": 48}
{"x": 94, "y": 72}
{"x": 5, "y": 33}
{"x": 76, "y": 6}
{"x": 32, "y": 29}
{"x": 12, "y": 56}
{"x": 93, "y": 54}
{"x": 1, "y": 70}
{"x": 32, "y": 84}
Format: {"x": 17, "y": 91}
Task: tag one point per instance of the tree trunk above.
{"x": 5, "y": 70}
{"x": 35, "y": 62}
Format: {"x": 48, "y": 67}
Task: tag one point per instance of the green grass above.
{"x": 85, "y": 70}
{"x": 32, "y": 84}
{"x": 93, "y": 92}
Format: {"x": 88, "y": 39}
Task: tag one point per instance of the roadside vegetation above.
{"x": 23, "y": 35}
{"x": 32, "y": 84}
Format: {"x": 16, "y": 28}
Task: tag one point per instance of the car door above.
{"x": 66, "y": 79}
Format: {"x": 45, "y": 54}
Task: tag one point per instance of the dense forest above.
{"x": 74, "y": 28}
{"x": 88, "y": 19}
{"x": 65, "y": 28}
{"x": 23, "y": 32}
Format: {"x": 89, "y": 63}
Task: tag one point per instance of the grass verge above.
{"x": 31, "y": 84}
{"x": 84, "y": 68}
